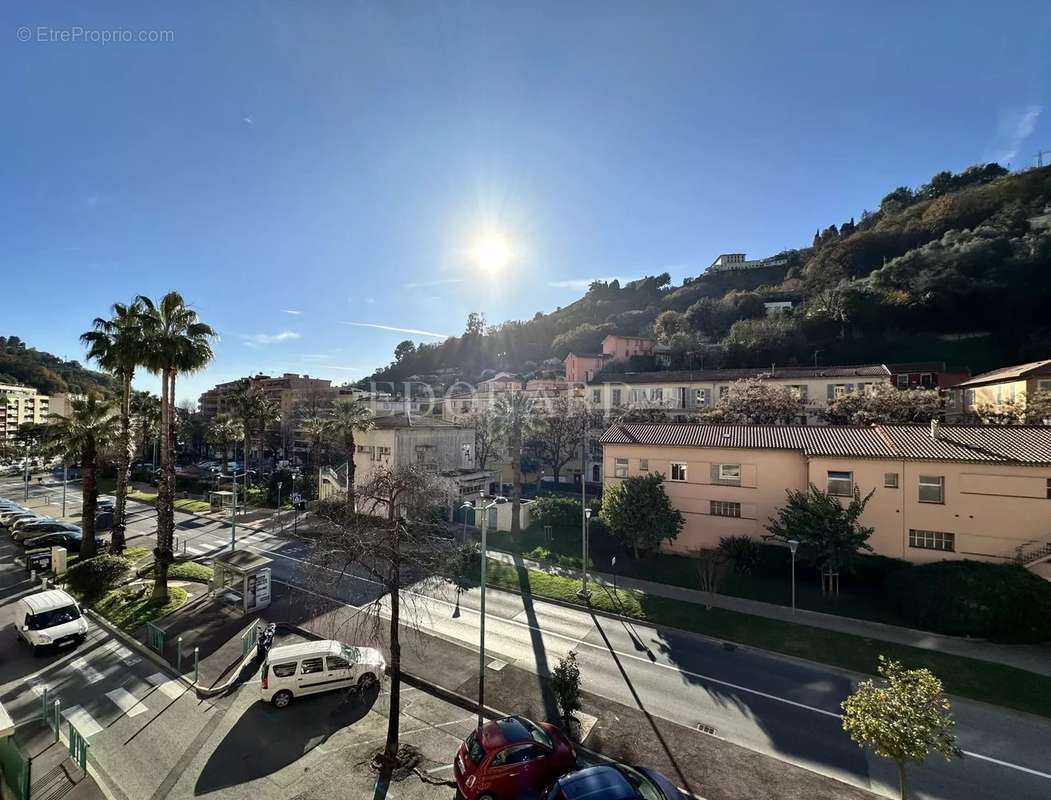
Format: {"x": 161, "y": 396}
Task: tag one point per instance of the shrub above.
{"x": 91, "y": 579}
{"x": 873, "y": 570}
{"x": 565, "y": 681}
{"x": 1000, "y": 602}
{"x": 742, "y": 551}
{"x": 560, "y": 513}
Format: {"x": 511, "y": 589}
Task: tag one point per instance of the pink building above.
{"x": 582, "y": 368}
{"x": 621, "y": 348}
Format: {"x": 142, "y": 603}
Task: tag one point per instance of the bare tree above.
{"x": 486, "y": 435}
{"x": 397, "y": 540}
{"x": 712, "y": 565}
{"x": 558, "y": 433}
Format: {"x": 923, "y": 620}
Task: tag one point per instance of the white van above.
{"x": 50, "y": 618}
{"x": 294, "y": 670}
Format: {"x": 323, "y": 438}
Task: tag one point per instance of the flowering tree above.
{"x": 903, "y": 719}
{"x": 757, "y": 402}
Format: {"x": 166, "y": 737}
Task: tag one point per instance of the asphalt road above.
{"x": 782, "y": 707}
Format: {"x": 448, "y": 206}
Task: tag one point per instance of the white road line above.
{"x": 36, "y": 685}
{"x": 172, "y": 688}
{"x": 126, "y": 702}
{"x": 82, "y": 721}
{"x": 192, "y": 548}
{"x": 90, "y": 674}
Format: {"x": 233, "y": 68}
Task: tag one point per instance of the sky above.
{"x": 314, "y": 177}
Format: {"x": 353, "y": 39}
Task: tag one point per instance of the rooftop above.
{"x": 687, "y": 376}
{"x": 1017, "y": 372}
{"x": 1021, "y": 444}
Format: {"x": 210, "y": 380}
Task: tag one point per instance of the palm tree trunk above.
{"x": 89, "y": 503}
{"x": 350, "y": 472}
{"x": 162, "y": 552}
{"x": 390, "y": 750}
{"x": 124, "y": 448}
{"x": 516, "y": 485}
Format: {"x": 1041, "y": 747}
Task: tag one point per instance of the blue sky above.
{"x": 337, "y": 160}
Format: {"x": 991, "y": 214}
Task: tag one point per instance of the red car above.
{"x": 511, "y": 757}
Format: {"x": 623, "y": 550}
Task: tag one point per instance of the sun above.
{"x": 491, "y": 252}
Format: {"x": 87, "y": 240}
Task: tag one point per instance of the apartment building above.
{"x": 19, "y": 405}
{"x": 582, "y": 367}
{"x": 1002, "y": 391}
{"x": 728, "y": 262}
{"x": 979, "y": 492}
{"x": 926, "y": 375}
{"x": 683, "y": 393}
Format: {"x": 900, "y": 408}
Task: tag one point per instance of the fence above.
{"x": 16, "y": 767}
{"x": 155, "y": 637}
{"x": 249, "y": 639}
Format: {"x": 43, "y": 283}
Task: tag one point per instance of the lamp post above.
{"x": 233, "y": 509}
{"x": 481, "y": 635}
{"x": 793, "y": 545}
{"x": 65, "y": 477}
{"x": 584, "y": 594}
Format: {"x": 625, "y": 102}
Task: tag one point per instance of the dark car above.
{"x": 70, "y": 540}
{"x": 614, "y": 782}
{"x": 511, "y": 757}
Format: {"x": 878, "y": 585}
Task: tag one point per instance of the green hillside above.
{"x": 958, "y": 269}
{"x": 47, "y": 373}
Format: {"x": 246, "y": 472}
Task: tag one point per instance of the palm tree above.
{"x": 117, "y": 345}
{"x": 316, "y": 428}
{"x": 514, "y": 416}
{"x": 349, "y": 416}
{"x": 176, "y": 341}
{"x": 221, "y": 431}
{"x": 267, "y": 412}
{"x": 90, "y": 427}
{"x": 255, "y": 411}
{"x": 146, "y": 410}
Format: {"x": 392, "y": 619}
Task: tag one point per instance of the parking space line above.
{"x": 126, "y": 702}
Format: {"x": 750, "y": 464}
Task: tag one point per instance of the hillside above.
{"x": 47, "y": 373}
{"x": 958, "y": 270}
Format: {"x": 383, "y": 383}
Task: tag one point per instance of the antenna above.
{"x": 1040, "y": 157}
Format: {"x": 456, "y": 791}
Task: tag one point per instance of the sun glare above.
{"x": 491, "y": 252}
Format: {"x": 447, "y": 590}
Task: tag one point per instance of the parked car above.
{"x": 295, "y": 670}
{"x": 509, "y": 757}
{"x": 614, "y": 782}
{"x": 10, "y": 520}
{"x": 35, "y": 529}
{"x": 71, "y": 540}
{"x": 49, "y": 619}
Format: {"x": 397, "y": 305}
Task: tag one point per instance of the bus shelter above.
{"x": 242, "y": 579}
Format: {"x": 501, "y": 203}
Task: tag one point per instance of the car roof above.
{"x": 499, "y": 733}
{"x": 300, "y": 649}
{"x": 42, "y": 601}
{"x": 603, "y": 781}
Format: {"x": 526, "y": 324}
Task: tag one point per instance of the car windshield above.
{"x": 53, "y": 617}
{"x": 646, "y": 788}
{"x": 351, "y": 654}
{"x": 538, "y": 733}
{"x": 474, "y": 748}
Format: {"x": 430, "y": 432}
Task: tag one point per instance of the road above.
{"x": 782, "y": 707}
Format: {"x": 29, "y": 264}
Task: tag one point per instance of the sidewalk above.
{"x": 1031, "y": 658}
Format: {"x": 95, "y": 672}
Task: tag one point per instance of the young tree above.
{"x": 565, "y": 682}
{"x": 712, "y": 565}
{"x": 829, "y": 532}
{"x": 558, "y": 432}
{"x": 904, "y": 719}
{"x": 886, "y": 405}
{"x": 639, "y": 513}
{"x": 397, "y": 539}
{"x": 486, "y": 435}
{"x": 89, "y": 429}
{"x": 757, "y": 402}
{"x": 515, "y": 415}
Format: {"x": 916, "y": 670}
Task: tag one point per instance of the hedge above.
{"x": 999, "y": 602}
{"x": 94, "y": 577}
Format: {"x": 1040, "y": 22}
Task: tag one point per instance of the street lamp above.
{"x": 793, "y": 545}
{"x": 233, "y": 509}
{"x": 584, "y": 594}
{"x": 481, "y": 635}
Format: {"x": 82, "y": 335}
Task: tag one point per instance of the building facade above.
{"x": 1001, "y": 392}
{"x": 19, "y": 405}
{"x": 938, "y": 492}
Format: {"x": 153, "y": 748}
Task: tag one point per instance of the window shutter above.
{"x": 715, "y": 473}
{"x": 850, "y": 388}
{"x": 831, "y": 392}
{"x": 803, "y": 392}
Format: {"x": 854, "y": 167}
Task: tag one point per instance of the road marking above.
{"x": 192, "y": 548}
{"x": 82, "y": 721}
{"x": 37, "y": 686}
{"x": 172, "y": 688}
{"x": 1008, "y": 764}
{"x": 126, "y": 702}
{"x": 91, "y": 675}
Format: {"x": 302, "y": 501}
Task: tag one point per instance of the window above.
{"x": 284, "y": 670}
{"x": 516, "y": 754}
{"x": 596, "y": 396}
{"x": 970, "y": 398}
{"x": 890, "y": 480}
{"x": 723, "y": 391}
{"x": 926, "y": 380}
{"x": 841, "y": 483}
{"x": 616, "y": 397}
{"x": 657, "y": 395}
{"x": 700, "y": 398}
{"x": 644, "y": 465}
{"x": 729, "y": 472}
{"x": 932, "y": 540}
{"x": 1043, "y": 386}
{"x": 721, "y": 508}
{"x": 903, "y": 381}
{"x": 620, "y": 468}
{"x": 310, "y": 665}
{"x": 932, "y": 489}
{"x": 678, "y": 472}
{"x": 683, "y": 394}
{"x": 335, "y": 662}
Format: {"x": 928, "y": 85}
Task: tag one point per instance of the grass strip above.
{"x": 190, "y": 506}
{"x": 966, "y": 677}
{"x": 128, "y": 609}
{"x": 186, "y": 571}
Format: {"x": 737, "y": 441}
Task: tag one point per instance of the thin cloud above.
{"x": 583, "y": 283}
{"x": 248, "y": 120}
{"x": 262, "y": 339}
{"x": 291, "y": 311}
{"x": 397, "y": 329}
{"x": 344, "y": 369}
{"x": 370, "y": 299}
{"x": 316, "y": 356}
{"x": 429, "y": 284}
{"x": 1013, "y": 128}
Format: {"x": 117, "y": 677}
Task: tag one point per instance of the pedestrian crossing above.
{"x": 211, "y": 543}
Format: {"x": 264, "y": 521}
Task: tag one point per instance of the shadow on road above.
{"x": 265, "y": 740}
{"x": 543, "y": 671}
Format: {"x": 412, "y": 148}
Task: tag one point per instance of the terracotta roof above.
{"x": 686, "y": 376}
{"x": 588, "y": 355}
{"x": 1018, "y": 444}
{"x": 1010, "y": 373}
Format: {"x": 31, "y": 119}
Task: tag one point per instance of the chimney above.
{"x": 935, "y": 428}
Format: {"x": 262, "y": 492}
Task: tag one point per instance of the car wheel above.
{"x": 486, "y": 797}
{"x": 281, "y": 699}
{"x": 366, "y": 682}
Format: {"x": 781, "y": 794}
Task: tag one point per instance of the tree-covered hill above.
{"x": 47, "y": 373}
{"x": 958, "y": 269}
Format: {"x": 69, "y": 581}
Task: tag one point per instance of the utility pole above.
{"x": 1040, "y": 157}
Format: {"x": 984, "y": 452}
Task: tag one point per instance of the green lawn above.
{"x": 966, "y": 677}
{"x": 190, "y": 506}
{"x": 130, "y": 608}
{"x": 187, "y": 571}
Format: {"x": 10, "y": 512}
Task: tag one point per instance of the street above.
{"x": 777, "y": 706}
